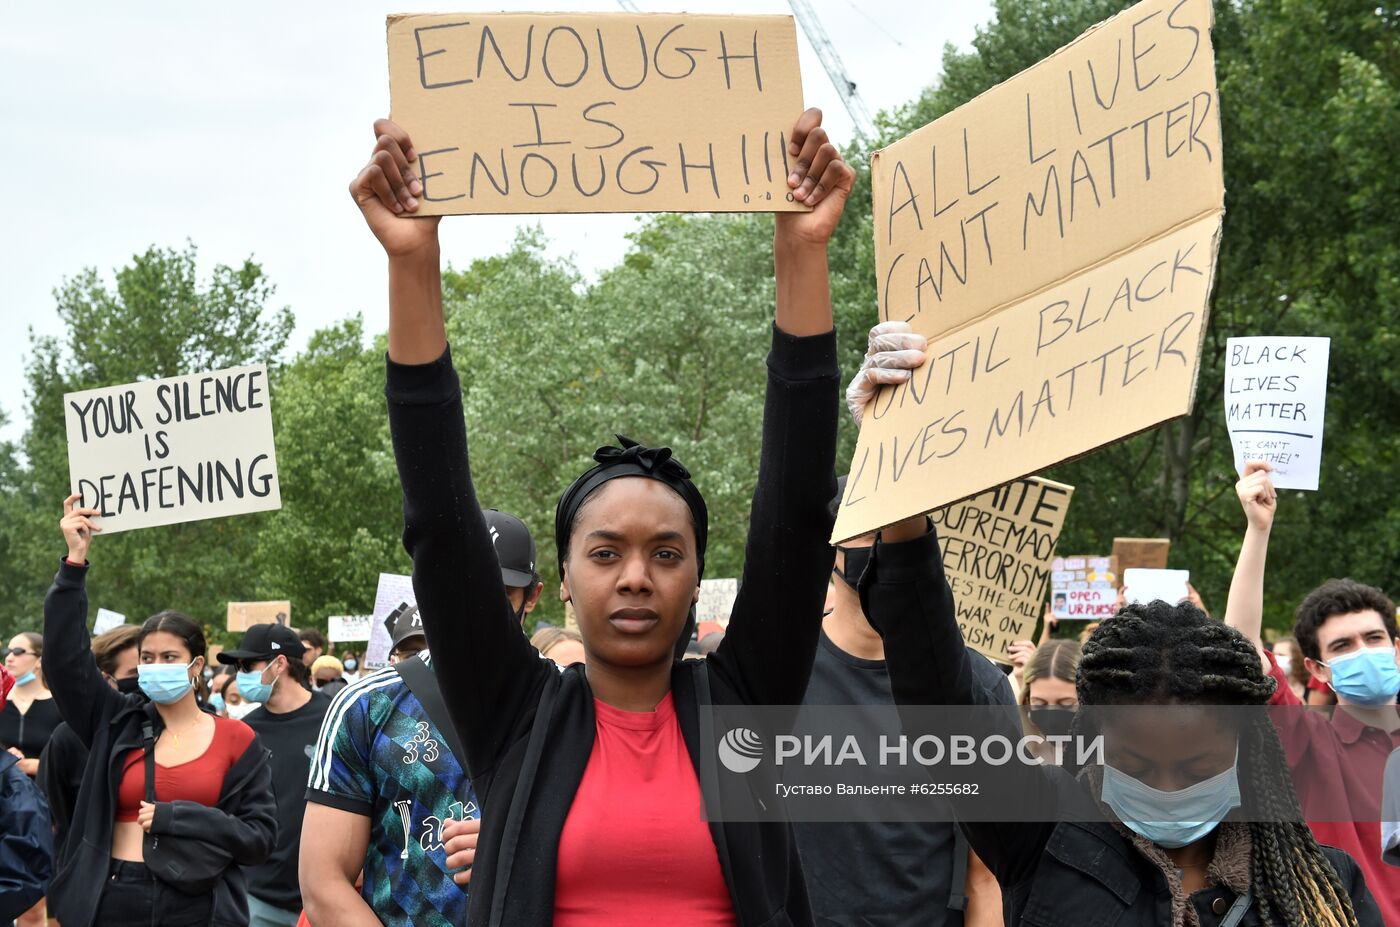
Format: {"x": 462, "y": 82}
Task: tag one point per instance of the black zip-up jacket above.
{"x": 195, "y": 848}
{"x": 1082, "y": 872}
{"x": 498, "y": 682}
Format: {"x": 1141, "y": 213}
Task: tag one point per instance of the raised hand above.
{"x": 819, "y": 178}
{"x": 893, "y": 351}
{"x": 1257, "y": 495}
{"x": 78, "y": 528}
{"x": 1019, "y": 653}
{"x": 387, "y": 191}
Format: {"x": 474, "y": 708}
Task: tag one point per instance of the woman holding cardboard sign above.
{"x": 589, "y": 778}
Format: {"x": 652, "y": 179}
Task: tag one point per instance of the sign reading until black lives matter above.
{"x": 610, "y": 112}
{"x": 160, "y": 452}
{"x": 997, "y": 552}
{"x": 1055, "y": 240}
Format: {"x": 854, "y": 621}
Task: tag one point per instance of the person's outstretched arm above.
{"x": 772, "y": 635}
{"x": 82, "y": 695}
{"x": 456, "y": 575}
{"x": 1244, "y": 609}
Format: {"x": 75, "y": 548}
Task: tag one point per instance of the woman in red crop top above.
{"x": 171, "y": 846}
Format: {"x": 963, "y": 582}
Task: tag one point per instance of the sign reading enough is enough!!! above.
{"x": 547, "y": 113}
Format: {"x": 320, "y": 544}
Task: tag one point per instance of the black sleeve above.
{"x": 60, "y": 776}
{"x": 83, "y": 697}
{"x": 773, "y": 628}
{"x": 496, "y": 675}
{"x": 906, "y": 597}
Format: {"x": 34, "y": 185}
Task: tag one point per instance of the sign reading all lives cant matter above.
{"x": 159, "y": 452}
{"x": 1275, "y": 400}
{"x": 1055, "y": 240}
{"x": 997, "y": 552}
{"x": 612, "y": 112}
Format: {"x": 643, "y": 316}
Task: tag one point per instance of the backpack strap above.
{"x": 148, "y": 744}
{"x": 422, "y": 682}
{"x": 957, "y": 889}
{"x": 1237, "y": 910}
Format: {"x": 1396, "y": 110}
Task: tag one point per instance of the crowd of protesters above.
{"x": 487, "y": 778}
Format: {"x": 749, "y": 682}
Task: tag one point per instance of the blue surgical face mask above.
{"x": 351, "y": 665}
{"x": 1367, "y": 676}
{"x": 253, "y": 688}
{"x": 26, "y": 679}
{"x": 216, "y": 702}
{"x": 1172, "y": 819}
{"x": 165, "y": 683}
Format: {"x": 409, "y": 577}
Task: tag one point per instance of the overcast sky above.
{"x": 238, "y": 127}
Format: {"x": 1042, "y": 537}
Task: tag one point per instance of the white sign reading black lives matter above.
{"x": 160, "y": 452}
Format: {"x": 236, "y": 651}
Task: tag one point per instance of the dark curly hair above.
{"x": 1160, "y": 654}
{"x": 1338, "y": 597}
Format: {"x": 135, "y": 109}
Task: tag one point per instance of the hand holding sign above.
{"x": 78, "y": 527}
{"x": 894, "y": 349}
{"x": 820, "y": 179}
{"x": 1257, "y": 495}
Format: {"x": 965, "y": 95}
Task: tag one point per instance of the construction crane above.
{"x": 826, "y": 53}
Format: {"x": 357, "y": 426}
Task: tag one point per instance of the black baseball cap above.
{"x": 263, "y": 642}
{"x": 515, "y": 548}
{"x": 408, "y": 624}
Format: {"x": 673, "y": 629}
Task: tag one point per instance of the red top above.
{"x": 1338, "y": 767}
{"x": 636, "y": 850}
{"x": 199, "y": 780}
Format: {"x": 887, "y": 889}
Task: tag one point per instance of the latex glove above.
{"x": 894, "y": 351}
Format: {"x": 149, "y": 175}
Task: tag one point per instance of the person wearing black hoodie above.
{"x": 588, "y": 777}
{"x": 174, "y": 801}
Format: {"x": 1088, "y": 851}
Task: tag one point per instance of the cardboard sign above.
{"x": 346, "y": 628}
{"x": 1144, "y": 553}
{"x": 159, "y": 452}
{"x": 1055, "y": 239}
{"x": 1083, "y": 588}
{"x": 243, "y": 615}
{"x": 716, "y": 600}
{"x": 395, "y": 594}
{"x": 997, "y": 551}
{"x": 589, "y": 112}
{"x": 106, "y": 621}
{"x": 1275, "y": 403}
{"x": 1151, "y": 585}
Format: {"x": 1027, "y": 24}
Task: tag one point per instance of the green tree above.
{"x": 159, "y": 319}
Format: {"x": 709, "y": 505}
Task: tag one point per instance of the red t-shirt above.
{"x": 1338, "y": 768}
{"x": 636, "y": 850}
{"x": 199, "y": 780}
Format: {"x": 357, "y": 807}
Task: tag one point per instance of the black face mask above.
{"x": 131, "y": 685}
{"x": 1053, "y": 720}
{"x": 857, "y": 559}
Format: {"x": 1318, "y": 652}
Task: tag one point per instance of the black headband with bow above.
{"x": 631, "y": 459}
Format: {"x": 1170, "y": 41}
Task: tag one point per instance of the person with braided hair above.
{"x": 1151, "y": 836}
{"x": 1347, "y": 635}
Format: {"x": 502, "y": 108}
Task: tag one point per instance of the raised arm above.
{"x": 772, "y": 635}
{"x": 1244, "y": 610}
{"x": 83, "y": 697}
{"x": 456, "y": 576}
